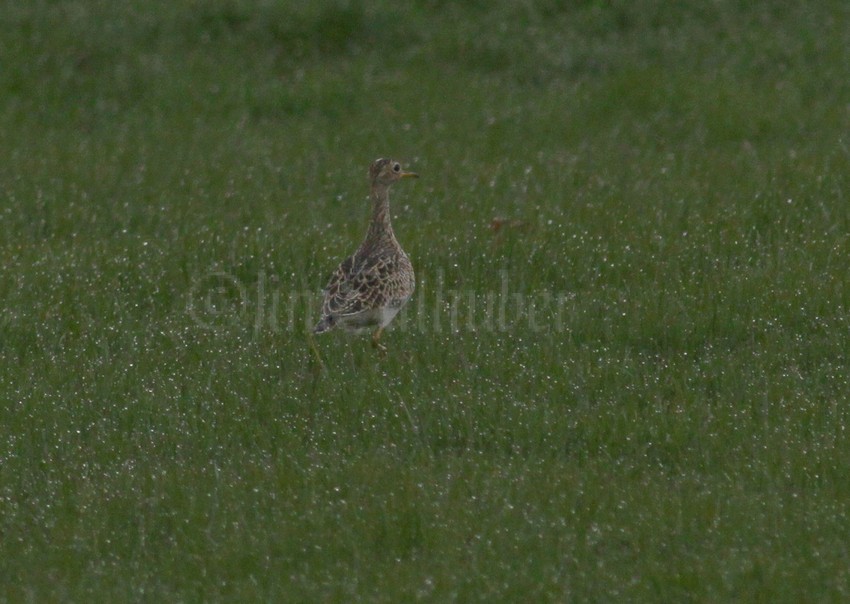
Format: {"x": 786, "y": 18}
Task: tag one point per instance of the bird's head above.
{"x": 387, "y": 171}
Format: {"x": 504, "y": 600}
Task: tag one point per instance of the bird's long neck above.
{"x": 380, "y": 226}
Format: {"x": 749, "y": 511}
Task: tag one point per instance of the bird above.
{"x": 369, "y": 288}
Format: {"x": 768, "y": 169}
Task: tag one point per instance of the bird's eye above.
{"x": 396, "y": 167}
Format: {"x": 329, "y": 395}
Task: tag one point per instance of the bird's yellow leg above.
{"x": 321, "y": 365}
{"x": 375, "y": 340}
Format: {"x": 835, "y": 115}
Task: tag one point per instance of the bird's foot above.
{"x": 376, "y": 344}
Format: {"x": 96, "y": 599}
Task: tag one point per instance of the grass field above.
{"x": 635, "y": 390}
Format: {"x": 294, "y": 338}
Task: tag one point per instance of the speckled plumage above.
{"x": 369, "y": 287}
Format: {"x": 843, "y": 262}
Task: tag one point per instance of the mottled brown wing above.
{"x": 360, "y": 283}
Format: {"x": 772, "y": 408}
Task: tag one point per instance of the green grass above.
{"x": 637, "y": 392}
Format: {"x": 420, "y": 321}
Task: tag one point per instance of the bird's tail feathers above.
{"x": 325, "y": 324}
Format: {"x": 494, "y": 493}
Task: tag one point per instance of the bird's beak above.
{"x": 409, "y": 175}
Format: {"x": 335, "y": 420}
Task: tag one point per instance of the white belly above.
{"x": 369, "y": 319}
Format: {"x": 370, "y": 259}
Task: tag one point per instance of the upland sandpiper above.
{"x": 369, "y": 288}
